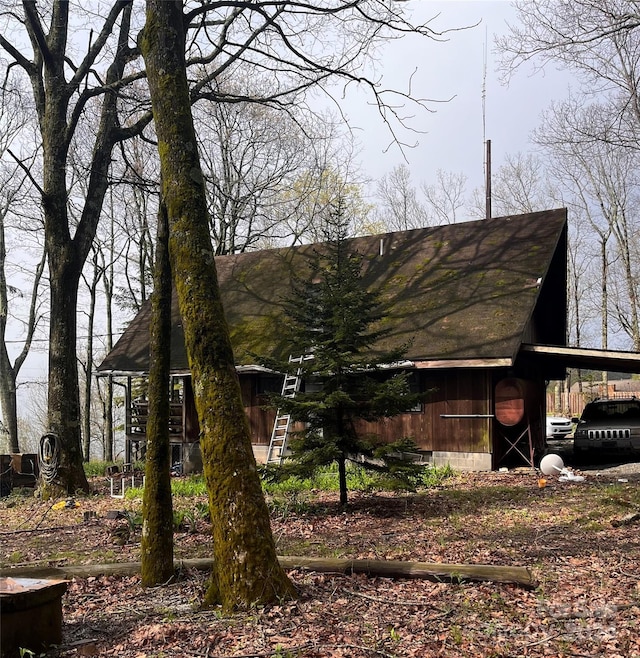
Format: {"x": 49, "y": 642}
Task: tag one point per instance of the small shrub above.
{"x": 178, "y": 519}
{"x": 15, "y": 558}
{"x": 133, "y": 493}
{"x": 190, "y": 521}
{"x": 97, "y": 468}
{"x": 282, "y": 506}
{"x": 189, "y": 487}
{"x": 433, "y": 476}
{"x": 134, "y": 519}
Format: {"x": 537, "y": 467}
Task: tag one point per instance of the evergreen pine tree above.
{"x": 335, "y": 320}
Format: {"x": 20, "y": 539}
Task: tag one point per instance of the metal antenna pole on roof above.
{"x": 487, "y": 142}
{"x": 488, "y": 180}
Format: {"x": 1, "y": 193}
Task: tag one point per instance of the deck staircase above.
{"x": 282, "y": 423}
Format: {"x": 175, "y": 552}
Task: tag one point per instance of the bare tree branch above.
{"x": 27, "y": 171}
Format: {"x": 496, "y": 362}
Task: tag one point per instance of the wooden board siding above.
{"x": 260, "y": 417}
{"x": 450, "y": 420}
{"x": 457, "y": 409}
{"x": 412, "y": 424}
{"x": 261, "y": 424}
{"x": 453, "y": 393}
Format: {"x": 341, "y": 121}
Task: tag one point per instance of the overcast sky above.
{"x": 453, "y": 138}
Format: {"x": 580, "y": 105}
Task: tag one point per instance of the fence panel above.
{"x": 563, "y": 403}
{"x": 567, "y": 404}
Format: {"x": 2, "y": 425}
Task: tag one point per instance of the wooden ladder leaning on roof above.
{"x": 282, "y": 423}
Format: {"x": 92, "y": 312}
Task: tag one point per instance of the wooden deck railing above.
{"x": 138, "y": 415}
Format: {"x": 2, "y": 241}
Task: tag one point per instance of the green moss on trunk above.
{"x": 246, "y": 570}
{"x": 157, "y": 527}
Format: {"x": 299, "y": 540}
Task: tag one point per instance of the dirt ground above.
{"x": 576, "y": 538}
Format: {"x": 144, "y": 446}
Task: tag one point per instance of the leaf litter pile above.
{"x": 580, "y": 541}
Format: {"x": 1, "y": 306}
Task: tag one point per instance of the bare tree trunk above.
{"x": 67, "y": 254}
{"x": 63, "y": 393}
{"x": 157, "y": 510}
{"x": 9, "y": 430}
{"x": 604, "y": 264}
{"x": 88, "y": 369}
{"x": 246, "y": 570}
{"x": 108, "y": 278}
{"x": 107, "y": 452}
{"x": 9, "y": 372}
{"x": 65, "y": 269}
{"x": 342, "y": 479}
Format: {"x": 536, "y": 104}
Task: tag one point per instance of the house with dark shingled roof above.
{"x": 481, "y": 304}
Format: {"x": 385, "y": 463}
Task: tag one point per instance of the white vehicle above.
{"x": 558, "y": 427}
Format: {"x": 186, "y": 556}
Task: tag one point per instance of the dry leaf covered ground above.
{"x": 586, "y": 564}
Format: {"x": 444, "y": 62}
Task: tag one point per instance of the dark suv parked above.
{"x": 609, "y": 425}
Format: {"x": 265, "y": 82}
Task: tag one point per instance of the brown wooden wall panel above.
{"x": 260, "y": 419}
{"x": 261, "y": 424}
{"x": 191, "y": 424}
{"x": 458, "y": 396}
{"x": 453, "y": 393}
{"x": 411, "y": 424}
{"x": 456, "y": 417}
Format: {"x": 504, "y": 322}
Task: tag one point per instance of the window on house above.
{"x": 414, "y": 387}
{"x": 266, "y": 384}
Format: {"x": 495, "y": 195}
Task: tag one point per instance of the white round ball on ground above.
{"x": 551, "y": 464}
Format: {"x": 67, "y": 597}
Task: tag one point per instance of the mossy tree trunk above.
{"x": 246, "y": 569}
{"x": 157, "y": 507}
{"x": 61, "y": 104}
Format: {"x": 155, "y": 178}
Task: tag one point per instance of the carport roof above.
{"x": 578, "y": 357}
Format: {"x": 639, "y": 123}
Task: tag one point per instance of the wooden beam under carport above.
{"x": 591, "y": 359}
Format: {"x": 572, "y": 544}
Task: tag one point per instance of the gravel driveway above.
{"x": 605, "y": 465}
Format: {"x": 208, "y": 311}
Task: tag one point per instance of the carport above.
{"x": 553, "y": 356}
{"x": 557, "y": 359}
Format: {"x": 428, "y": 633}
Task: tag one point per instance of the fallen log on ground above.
{"x": 626, "y": 520}
{"x": 424, "y": 570}
{"x": 385, "y": 568}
